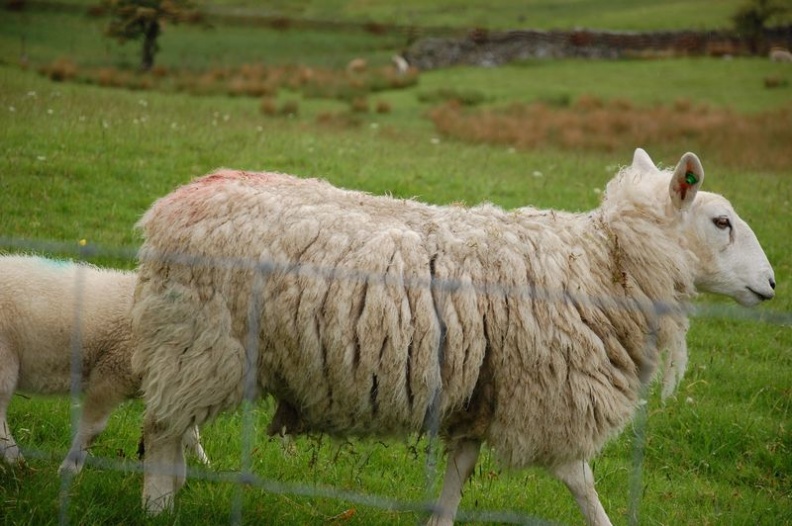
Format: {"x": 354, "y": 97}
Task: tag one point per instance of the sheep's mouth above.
{"x": 762, "y": 297}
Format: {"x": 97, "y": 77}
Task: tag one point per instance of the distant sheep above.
{"x": 534, "y": 331}
{"x": 401, "y": 65}
{"x": 49, "y": 309}
{"x": 357, "y": 65}
{"x": 778, "y": 54}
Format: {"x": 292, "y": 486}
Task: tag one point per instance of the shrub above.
{"x": 359, "y": 105}
{"x": 289, "y": 108}
{"x": 775, "y": 81}
{"x": 383, "y": 107}
{"x": 463, "y": 97}
{"x": 62, "y": 69}
{"x": 267, "y": 106}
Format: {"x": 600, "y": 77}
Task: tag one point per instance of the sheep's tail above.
{"x": 191, "y": 366}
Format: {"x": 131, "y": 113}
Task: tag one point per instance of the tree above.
{"x": 143, "y": 19}
{"x": 754, "y": 16}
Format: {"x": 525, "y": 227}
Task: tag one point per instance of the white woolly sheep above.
{"x": 534, "y": 331}
{"x": 779, "y": 54}
{"x": 357, "y": 65}
{"x": 401, "y": 64}
{"x": 49, "y": 310}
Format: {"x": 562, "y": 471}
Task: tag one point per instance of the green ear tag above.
{"x": 690, "y": 178}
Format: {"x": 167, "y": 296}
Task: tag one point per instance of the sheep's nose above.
{"x": 772, "y": 283}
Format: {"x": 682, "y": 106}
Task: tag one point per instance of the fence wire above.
{"x": 245, "y": 476}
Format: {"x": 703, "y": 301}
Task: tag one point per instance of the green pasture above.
{"x": 507, "y": 14}
{"x": 82, "y": 163}
{"x": 639, "y": 15}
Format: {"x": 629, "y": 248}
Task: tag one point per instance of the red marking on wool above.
{"x": 223, "y": 176}
{"x": 189, "y": 201}
{"x": 188, "y": 204}
{"x": 207, "y": 184}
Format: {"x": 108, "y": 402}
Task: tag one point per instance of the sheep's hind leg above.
{"x": 461, "y": 461}
{"x": 164, "y": 471}
{"x": 579, "y": 478}
{"x": 101, "y": 397}
{"x": 9, "y": 374}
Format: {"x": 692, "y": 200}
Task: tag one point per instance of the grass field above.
{"x": 82, "y": 162}
{"x": 639, "y": 15}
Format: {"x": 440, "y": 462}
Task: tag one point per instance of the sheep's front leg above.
{"x": 9, "y": 374}
{"x": 164, "y": 471}
{"x": 101, "y": 397}
{"x": 579, "y": 478}
{"x": 461, "y": 461}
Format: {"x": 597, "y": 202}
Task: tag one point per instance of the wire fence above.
{"x": 246, "y": 476}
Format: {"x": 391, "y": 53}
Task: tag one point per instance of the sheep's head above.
{"x": 730, "y": 259}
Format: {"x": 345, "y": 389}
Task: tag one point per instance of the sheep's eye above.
{"x": 722, "y": 222}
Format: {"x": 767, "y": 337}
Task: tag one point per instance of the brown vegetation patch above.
{"x": 248, "y": 80}
{"x": 270, "y": 108}
{"x": 756, "y": 141}
{"x": 383, "y": 107}
{"x": 61, "y": 70}
{"x": 775, "y": 81}
{"x": 465, "y": 97}
{"x": 359, "y": 105}
{"x": 339, "y": 120}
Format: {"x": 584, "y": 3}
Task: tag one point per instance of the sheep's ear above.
{"x": 642, "y": 162}
{"x": 686, "y": 181}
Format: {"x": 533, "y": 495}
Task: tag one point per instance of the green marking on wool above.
{"x": 690, "y": 178}
{"x": 58, "y": 263}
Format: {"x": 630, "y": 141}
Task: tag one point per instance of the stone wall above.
{"x": 485, "y": 48}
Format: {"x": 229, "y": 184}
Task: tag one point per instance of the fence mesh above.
{"x": 246, "y": 475}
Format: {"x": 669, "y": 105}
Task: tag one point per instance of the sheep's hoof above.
{"x": 19, "y": 463}
{"x": 73, "y": 464}
{"x": 155, "y": 506}
{"x": 13, "y": 455}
